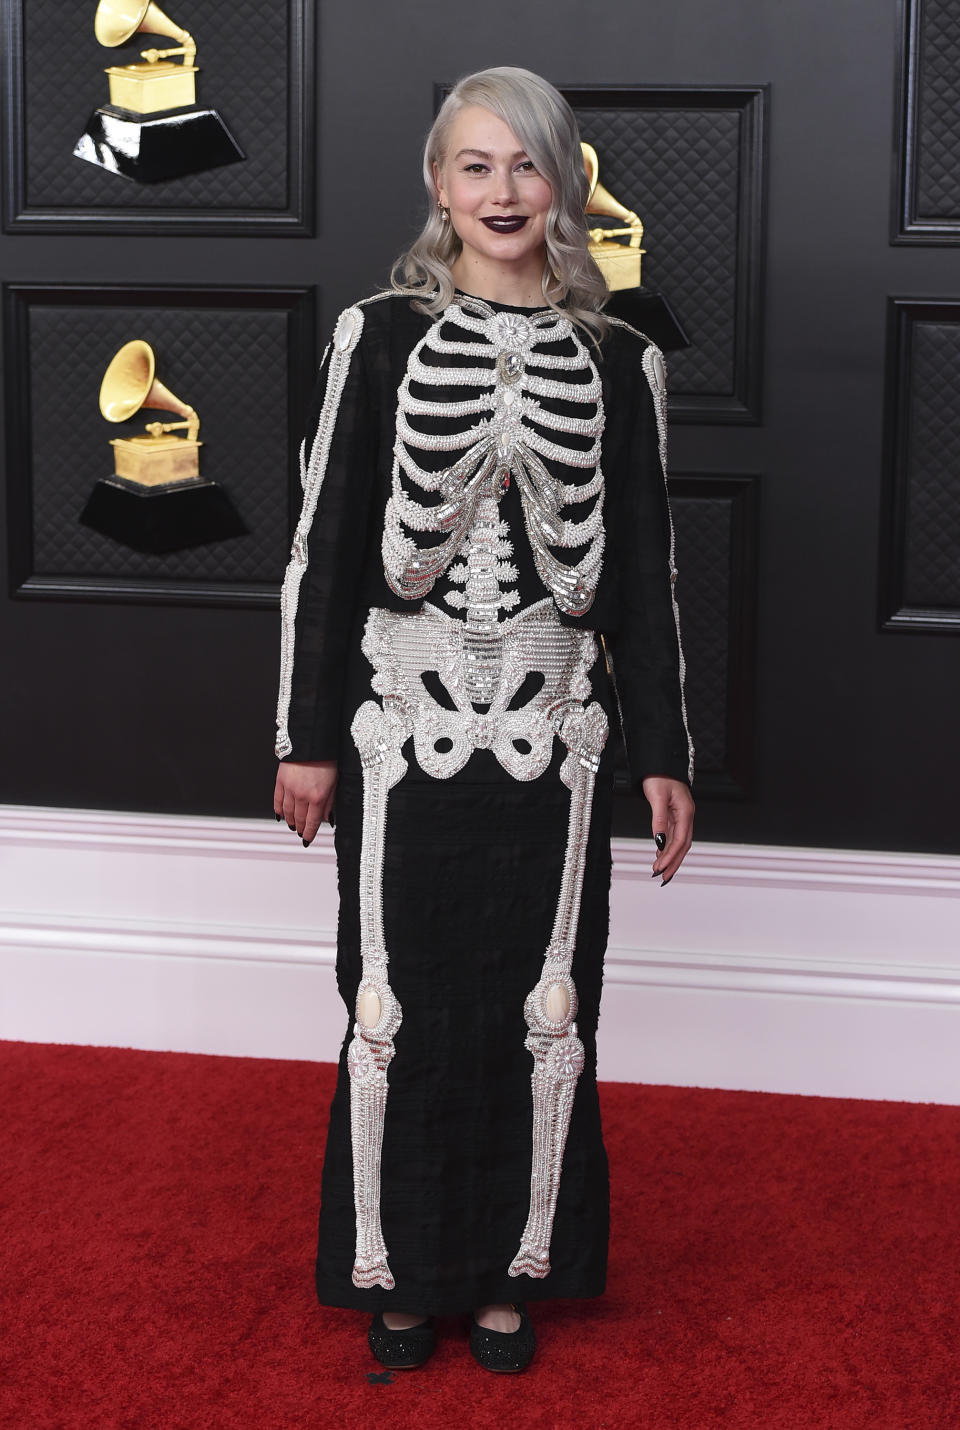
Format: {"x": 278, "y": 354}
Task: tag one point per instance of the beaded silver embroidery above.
{"x": 656, "y": 374}
{"x": 481, "y": 573}
{"x": 480, "y": 660}
{"x": 377, "y": 734}
{"x": 508, "y": 433}
{"x": 558, "y": 1055}
{"x": 402, "y": 648}
{"x": 312, "y": 472}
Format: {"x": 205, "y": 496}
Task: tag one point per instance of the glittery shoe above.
{"x": 504, "y": 1351}
{"x": 401, "y": 1350}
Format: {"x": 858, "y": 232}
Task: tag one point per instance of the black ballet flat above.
{"x": 401, "y": 1350}
{"x": 504, "y": 1351}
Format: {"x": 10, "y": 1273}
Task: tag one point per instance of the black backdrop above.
{"x": 828, "y": 694}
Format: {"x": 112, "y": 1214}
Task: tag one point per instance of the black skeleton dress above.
{"x": 484, "y": 498}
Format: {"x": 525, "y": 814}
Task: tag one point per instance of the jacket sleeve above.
{"x": 647, "y": 657}
{"x": 320, "y": 589}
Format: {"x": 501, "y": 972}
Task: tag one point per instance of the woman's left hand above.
{"x": 672, "y": 807}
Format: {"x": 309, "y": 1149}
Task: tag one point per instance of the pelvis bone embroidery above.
{"x": 403, "y": 649}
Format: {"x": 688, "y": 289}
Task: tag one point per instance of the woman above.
{"x": 484, "y": 499}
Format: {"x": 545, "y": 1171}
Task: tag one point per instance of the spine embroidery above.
{"x": 481, "y": 572}
{"x": 312, "y": 472}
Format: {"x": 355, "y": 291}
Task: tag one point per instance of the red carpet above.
{"x": 776, "y": 1262}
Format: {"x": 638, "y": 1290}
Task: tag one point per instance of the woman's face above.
{"x": 498, "y": 201}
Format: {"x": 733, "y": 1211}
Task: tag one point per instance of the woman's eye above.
{"x": 529, "y": 165}
{"x": 476, "y": 169}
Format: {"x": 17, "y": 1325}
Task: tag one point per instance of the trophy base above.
{"x": 650, "y": 312}
{"x": 150, "y": 149}
{"x": 159, "y": 519}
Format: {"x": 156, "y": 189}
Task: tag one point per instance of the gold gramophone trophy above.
{"x": 619, "y": 263}
{"x": 155, "y": 500}
{"x": 152, "y": 129}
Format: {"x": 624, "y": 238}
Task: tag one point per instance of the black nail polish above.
{"x": 306, "y": 843}
{"x": 660, "y": 840}
{"x": 278, "y": 817}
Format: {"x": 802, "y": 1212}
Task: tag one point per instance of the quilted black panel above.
{"x": 932, "y": 476}
{"x": 937, "y": 132}
{"x": 242, "y": 54}
{"x": 679, "y": 169}
{"x": 230, "y": 364}
{"x": 703, "y": 532}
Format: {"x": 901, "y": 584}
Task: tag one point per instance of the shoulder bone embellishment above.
{"x": 347, "y": 328}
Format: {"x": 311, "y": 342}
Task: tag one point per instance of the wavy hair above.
{"x": 544, "y": 123}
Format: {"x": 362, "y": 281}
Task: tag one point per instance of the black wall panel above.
{"x": 236, "y": 354}
{"x": 715, "y": 521}
{"x": 764, "y": 156}
{"x": 690, "y": 163}
{"x": 920, "y": 557}
{"x": 255, "y": 71}
{"x": 926, "y": 194}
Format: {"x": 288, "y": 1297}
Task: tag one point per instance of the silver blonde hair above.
{"x": 544, "y": 123}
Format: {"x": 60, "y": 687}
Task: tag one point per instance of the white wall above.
{"x": 777, "y": 969}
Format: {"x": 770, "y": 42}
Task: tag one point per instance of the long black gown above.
{"x": 442, "y": 622}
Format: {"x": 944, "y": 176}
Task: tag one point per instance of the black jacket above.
{"x": 633, "y": 607}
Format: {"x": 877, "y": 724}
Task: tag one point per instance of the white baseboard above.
{"x": 786, "y": 970}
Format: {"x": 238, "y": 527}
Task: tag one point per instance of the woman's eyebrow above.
{"x": 483, "y": 154}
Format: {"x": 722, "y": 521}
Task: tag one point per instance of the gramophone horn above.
{"x": 592, "y": 165}
{"x": 129, "y": 383}
{"x": 600, "y": 200}
{"x": 116, "y": 21}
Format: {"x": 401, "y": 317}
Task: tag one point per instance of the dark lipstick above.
{"x": 507, "y": 223}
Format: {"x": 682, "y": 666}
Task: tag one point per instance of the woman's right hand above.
{"x": 303, "y": 795}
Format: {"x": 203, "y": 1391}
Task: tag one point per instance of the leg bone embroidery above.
{"x": 551, "y": 1007}
{"x": 378, "y": 736}
{"x": 401, "y": 648}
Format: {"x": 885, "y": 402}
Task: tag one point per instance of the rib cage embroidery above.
{"x": 401, "y": 648}
{"x": 502, "y": 431}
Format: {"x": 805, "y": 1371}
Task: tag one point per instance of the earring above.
{"x": 444, "y": 213}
